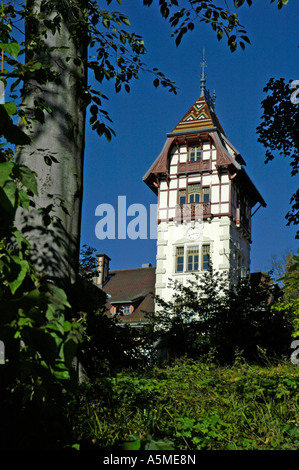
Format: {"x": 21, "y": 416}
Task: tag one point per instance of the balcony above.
{"x": 243, "y": 221}
{"x": 194, "y": 167}
{"x": 193, "y": 211}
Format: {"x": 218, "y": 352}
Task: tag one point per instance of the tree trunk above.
{"x": 56, "y": 152}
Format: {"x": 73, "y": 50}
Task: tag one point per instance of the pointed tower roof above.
{"x": 198, "y": 124}
{"x": 201, "y": 116}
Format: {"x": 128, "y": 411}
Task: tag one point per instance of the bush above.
{"x": 209, "y": 314}
{"x": 194, "y": 405}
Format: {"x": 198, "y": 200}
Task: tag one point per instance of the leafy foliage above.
{"x": 192, "y": 405}
{"x": 222, "y": 21}
{"x": 107, "y": 345}
{"x": 39, "y": 325}
{"x": 209, "y": 314}
{"x": 40, "y": 342}
{"x": 40, "y": 339}
{"x": 289, "y": 303}
{"x": 279, "y": 133}
{"x": 115, "y": 55}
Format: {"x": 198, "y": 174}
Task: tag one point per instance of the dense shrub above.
{"x": 194, "y": 405}
{"x": 208, "y": 313}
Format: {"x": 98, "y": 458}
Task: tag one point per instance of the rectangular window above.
{"x": 126, "y": 310}
{"x": 192, "y": 258}
{"x": 179, "y": 262}
{"x": 205, "y": 194}
{"x": 194, "y": 193}
{"x": 195, "y": 154}
{"x": 182, "y": 196}
{"x": 205, "y": 257}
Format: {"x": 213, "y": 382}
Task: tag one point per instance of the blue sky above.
{"x": 142, "y": 118}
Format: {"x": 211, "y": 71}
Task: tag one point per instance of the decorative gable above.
{"x": 198, "y": 117}
{"x": 201, "y": 124}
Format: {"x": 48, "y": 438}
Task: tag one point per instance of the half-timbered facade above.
{"x": 205, "y": 200}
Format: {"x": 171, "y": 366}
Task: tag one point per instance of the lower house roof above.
{"x": 134, "y": 287}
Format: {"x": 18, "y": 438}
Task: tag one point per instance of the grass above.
{"x": 194, "y": 405}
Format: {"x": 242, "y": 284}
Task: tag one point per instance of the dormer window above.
{"x": 126, "y": 310}
{"x": 195, "y": 154}
{"x": 122, "y": 310}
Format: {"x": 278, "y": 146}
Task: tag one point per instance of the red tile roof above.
{"x": 132, "y": 286}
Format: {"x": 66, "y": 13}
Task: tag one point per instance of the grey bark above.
{"x": 56, "y": 152}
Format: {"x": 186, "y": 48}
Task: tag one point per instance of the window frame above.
{"x": 126, "y": 310}
{"x": 193, "y": 253}
{"x": 182, "y": 196}
{"x": 205, "y": 251}
{"x": 194, "y": 193}
{"x": 177, "y": 256}
{"x": 202, "y": 193}
{"x": 206, "y": 190}
{"x": 197, "y": 153}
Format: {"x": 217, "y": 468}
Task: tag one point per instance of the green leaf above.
{"x": 12, "y": 49}
{"x": 126, "y": 21}
{"x": 11, "y": 132}
{"x": 246, "y": 39}
{"x": 27, "y": 178}
{"x": 69, "y": 350}
{"x": 10, "y": 107}
{"x": 132, "y": 445}
{"x": 20, "y": 239}
{"x": 16, "y": 283}
{"x": 10, "y": 191}
{"x": 24, "y": 199}
{"x": 5, "y": 171}
{"x": 58, "y": 296}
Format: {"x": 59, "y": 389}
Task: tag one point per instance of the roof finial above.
{"x": 203, "y": 75}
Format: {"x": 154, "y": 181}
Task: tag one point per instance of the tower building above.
{"x": 205, "y": 199}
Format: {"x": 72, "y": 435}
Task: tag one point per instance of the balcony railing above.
{"x": 193, "y": 211}
{"x": 190, "y": 167}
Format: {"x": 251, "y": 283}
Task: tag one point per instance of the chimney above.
{"x": 102, "y": 270}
